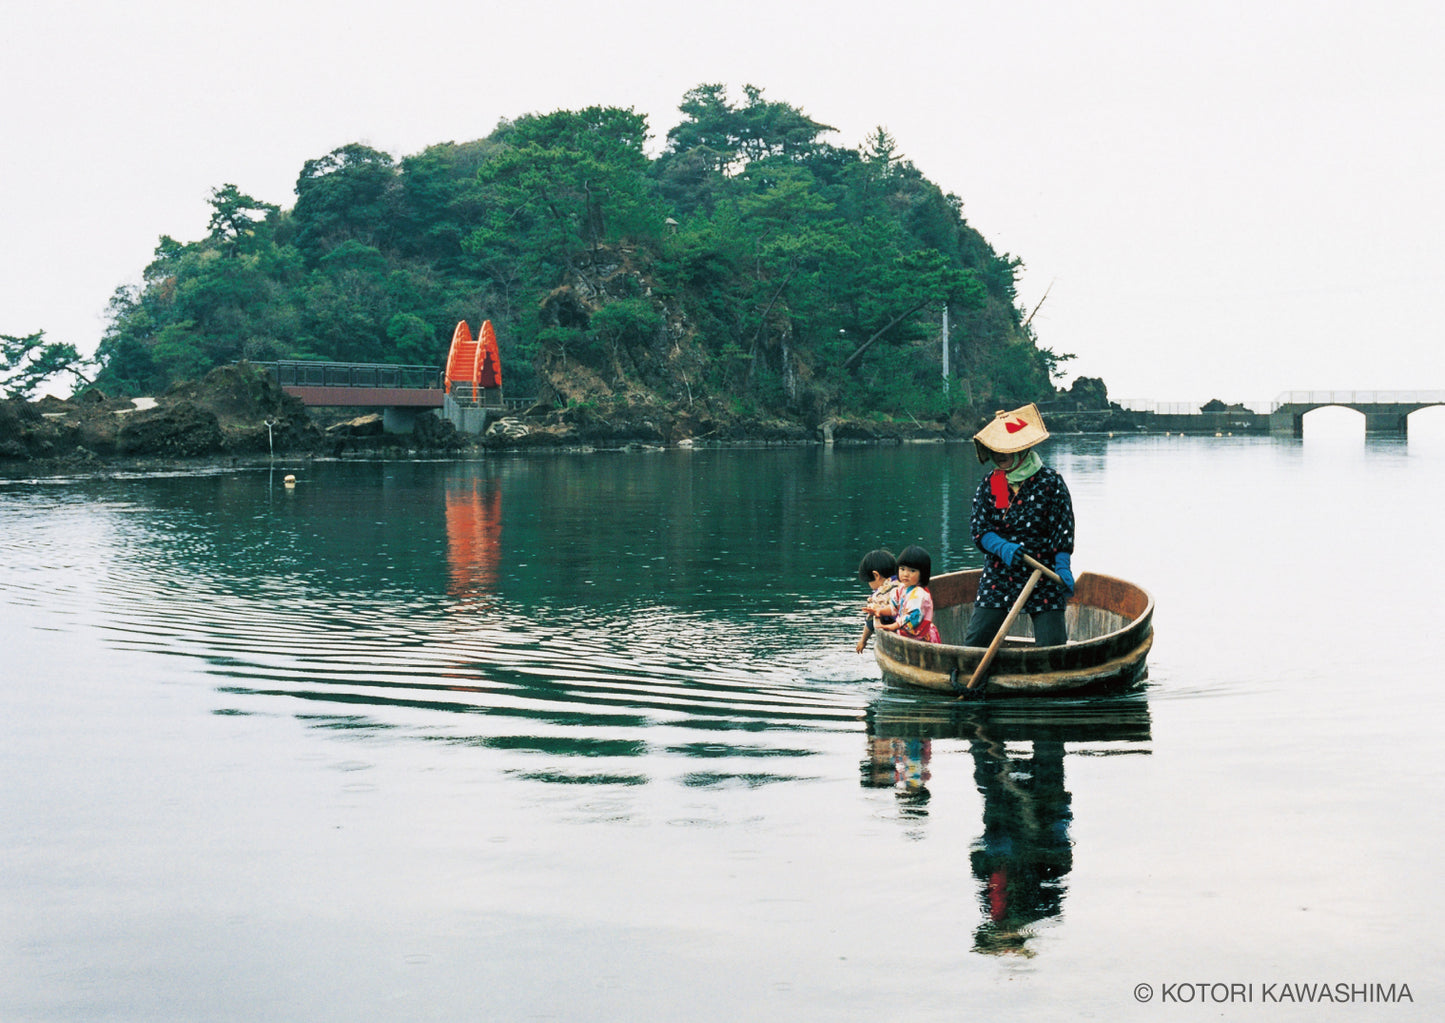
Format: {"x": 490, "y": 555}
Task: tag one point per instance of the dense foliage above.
{"x": 749, "y": 265}
{"x": 27, "y": 362}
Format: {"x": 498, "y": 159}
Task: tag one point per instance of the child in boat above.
{"x": 912, "y": 603}
{"x": 879, "y": 571}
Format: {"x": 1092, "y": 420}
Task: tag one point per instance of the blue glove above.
{"x": 1061, "y": 566}
{"x": 997, "y": 545}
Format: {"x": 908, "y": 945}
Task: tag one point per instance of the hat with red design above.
{"x": 1010, "y": 432}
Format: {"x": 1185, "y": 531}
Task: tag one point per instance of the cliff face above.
{"x": 621, "y": 352}
{"x": 611, "y": 338}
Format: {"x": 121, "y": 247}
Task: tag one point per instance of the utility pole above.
{"x": 945, "y": 348}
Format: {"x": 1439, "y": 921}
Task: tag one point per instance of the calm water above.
{"x": 584, "y": 738}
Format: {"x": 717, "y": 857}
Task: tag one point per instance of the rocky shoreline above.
{"x": 238, "y": 416}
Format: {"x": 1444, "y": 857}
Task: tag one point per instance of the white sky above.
{"x": 1227, "y": 199}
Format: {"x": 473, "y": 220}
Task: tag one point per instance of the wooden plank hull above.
{"x": 1111, "y": 628}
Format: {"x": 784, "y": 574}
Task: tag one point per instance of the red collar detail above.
{"x": 998, "y": 483}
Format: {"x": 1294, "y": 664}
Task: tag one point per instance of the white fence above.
{"x": 1181, "y": 408}
{"x": 1359, "y": 398}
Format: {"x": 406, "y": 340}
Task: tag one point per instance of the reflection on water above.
{"x": 381, "y": 592}
{"x": 605, "y": 710}
{"x": 1025, "y": 851}
{"x": 474, "y": 538}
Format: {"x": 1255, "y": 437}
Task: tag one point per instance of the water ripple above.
{"x": 422, "y": 657}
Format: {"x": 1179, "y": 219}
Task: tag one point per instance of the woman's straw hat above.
{"x": 1010, "y": 432}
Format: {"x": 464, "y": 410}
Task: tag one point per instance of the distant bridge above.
{"x": 1384, "y": 411}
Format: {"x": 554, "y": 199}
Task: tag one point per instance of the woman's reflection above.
{"x": 1025, "y": 851}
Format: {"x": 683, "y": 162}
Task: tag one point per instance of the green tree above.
{"x": 564, "y": 184}
{"x": 234, "y": 216}
{"x": 443, "y": 202}
{"x": 915, "y": 281}
{"x": 347, "y": 309}
{"x": 29, "y": 361}
{"x": 412, "y": 340}
{"x": 738, "y": 135}
{"x": 350, "y": 194}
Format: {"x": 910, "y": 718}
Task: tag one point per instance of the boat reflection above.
{"x": 899, "y": 763}
{"x": 1024, "y": 853}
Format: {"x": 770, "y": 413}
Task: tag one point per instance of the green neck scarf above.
{"x": 1031, "y": 464}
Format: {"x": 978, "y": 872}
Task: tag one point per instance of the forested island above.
{"x": 749, "y": 278}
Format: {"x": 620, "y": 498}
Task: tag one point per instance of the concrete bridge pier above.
{"x": 1284, "y": 423}
{"x": 401, "y": 419}
{"x": 1392, "y": 422}
{"x": 470, "y": 419}
{"x": 1388, "y": 418}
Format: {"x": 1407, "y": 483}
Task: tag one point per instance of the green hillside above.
{"x": 748, "y": 267}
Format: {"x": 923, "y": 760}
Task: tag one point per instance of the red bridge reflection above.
{"x": 474, "y": 537}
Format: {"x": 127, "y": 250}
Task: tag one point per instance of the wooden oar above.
{"x": 1013, "y": 612}
{"x": 1048, "y": 572}
{"x": 1038, "y": 571}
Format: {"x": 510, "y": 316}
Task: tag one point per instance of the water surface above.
{"x": 584, "y": 738}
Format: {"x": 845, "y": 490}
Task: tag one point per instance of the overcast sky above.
{"x": 1221, "y": 199}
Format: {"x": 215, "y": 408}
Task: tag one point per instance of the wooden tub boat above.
{"x": 1110, "y": 623}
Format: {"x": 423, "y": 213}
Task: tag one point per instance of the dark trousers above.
{"x": 983, "y": 624}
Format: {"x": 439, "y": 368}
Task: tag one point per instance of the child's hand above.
{"x": 861, "y": 644}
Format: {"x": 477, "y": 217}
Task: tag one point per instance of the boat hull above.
{"x": 1111, "y": 629}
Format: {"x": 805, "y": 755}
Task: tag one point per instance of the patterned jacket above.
{"x": 1041, "y": 517}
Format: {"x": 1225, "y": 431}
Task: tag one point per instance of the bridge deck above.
{"x": 365, "y": 385}
{"x": 368, "y": 397}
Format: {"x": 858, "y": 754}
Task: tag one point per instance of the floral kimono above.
{"x": 913, "y": 608}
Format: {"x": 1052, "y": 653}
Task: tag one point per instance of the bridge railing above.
{"x": 1359, "y": 398}
{"x": 297, "y": 373}
{"x": 466, "y": 396}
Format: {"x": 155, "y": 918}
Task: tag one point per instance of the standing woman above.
{"x": 1021, "y": 507}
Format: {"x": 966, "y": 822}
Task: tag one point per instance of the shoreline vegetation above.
{"x": 239, "y": 415}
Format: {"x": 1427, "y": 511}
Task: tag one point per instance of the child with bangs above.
{"x": 912, "y": 603}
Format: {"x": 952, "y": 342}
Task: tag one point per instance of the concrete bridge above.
{"x": 1386, "y": 412}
